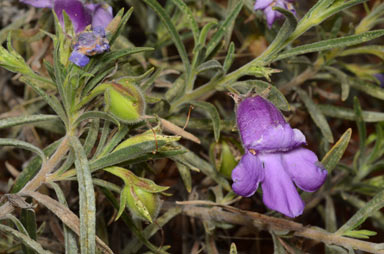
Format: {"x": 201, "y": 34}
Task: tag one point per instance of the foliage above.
{"x": 71, "y": 147}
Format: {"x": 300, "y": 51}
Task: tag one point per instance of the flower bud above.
{"x": 224, "y": 155}
{"x": 125, "y": 102}
{"x": 139, "y": 194}
{"x": 143, "y": 204}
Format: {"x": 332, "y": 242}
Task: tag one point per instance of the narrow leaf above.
{"x": 316, "y": 115}
{"x": 334, "y": 155}
{"x": 25, "y": 239}
{"x": 28, "y": 119}
{"x": 221, "y": 31}
{"x": 172, "y": 30}
{"x": 332, "y": 43}
{"x": 215, "y": 117}
{"x": 86, "y": 199}
{"x": 23, "y": 145}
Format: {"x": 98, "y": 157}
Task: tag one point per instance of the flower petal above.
{"x": 304, "y": 169}
{"x": 76, "y": 11}
{"x": 39, "y": 3}
{"x": 101, "y": 14}
{"x": 278, "y": 138}
{"x": 279, "y": 192}
{"x": 270, "y": 15}
{"x": 79, "y": 59}
{"x": 262, "y": 4}
{"x": 247, "y": 175}
{"x": 255, "y": 115}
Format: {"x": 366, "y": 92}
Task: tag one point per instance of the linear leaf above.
{"x": 65, "y": 215}
{"x": 52, "y": 101}
{"x": 191, "y": 20}
{"x": 19, "y": 120}
{"x": 260, "y": 87}
{"x": 23, "y": 145}
{"x": 229, "y": 57}
{"x": 316, "y": 115}
{"x": 172, "y": 30}
{"x": 221, "y": 31}
{"x": 185, "y": 175}
{"x": 28, "y": 219}
{"x": 92, "y": 136}
{"x": 25, "y": 239}
{"x": 334, "y": 155}
{"x": 210, "y": 65}
{"x": 376, "y": 203}
{"x": 213, "y": 113}
{"x": 121, "y": 24}
{"x": 33, "y": 167}
{"x": 86, "y": 199}
{"x": 348, "y": 114}
{"x": 332, "y": 43}
{"x": 125, "y": 154}
{"x": 98, "y": 115}
{"x": 69, "y": 236}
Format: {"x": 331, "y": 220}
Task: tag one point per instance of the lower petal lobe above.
{"x": 304, "y": 169}
{"x": 279, "y": 192}
{"x": 247, "y": 175}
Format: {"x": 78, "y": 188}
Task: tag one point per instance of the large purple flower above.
{"x": 80, "y": 14}
{"x": 88, "y": 43}
{"x": 272, "y": 15}
{"x": 274, "y": 157}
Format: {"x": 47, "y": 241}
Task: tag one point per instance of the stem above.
{"x": 40, "y": 177}
{"x": 264, "y": 222}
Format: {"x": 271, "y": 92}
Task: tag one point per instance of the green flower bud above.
{"x": 139, "y": 194}
{"x": 224, "y": 156}
{"x": 125, "y": 102}
{"x": 143, "y": 204}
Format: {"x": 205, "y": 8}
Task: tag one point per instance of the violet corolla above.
{"x": 80, "y": 14}
{"x": 380, "y": 78}
{"x": 88, "y": 42}
{"x": 270, "y": 14}
{"x": 275, "y": 158}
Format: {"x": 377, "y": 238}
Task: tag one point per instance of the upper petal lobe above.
{"x": 101, "y": 14}
{"x": 247, "y": 175}
{"x": 278, "y": 138}
{"x": 39, "y": 3}
{"x": 304, "y": 169}
{"x": 76, "y": 11}
{"x": 279, "y": 192}
{"x": 262, "y": 4}
{"x": 254, "y": 116}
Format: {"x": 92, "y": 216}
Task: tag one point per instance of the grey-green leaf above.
{"x": 87, "y": 199}
{"x": 28, "y": 119}
{"x": 316, "y": 115}
{"x": 334, "y": 155}
{"x": 23, "y": 145}
{"x": 25, "y": 239}
{"x": 332, "y": 43}
{"x": 212, "y": 111}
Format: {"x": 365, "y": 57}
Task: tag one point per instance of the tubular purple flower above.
{"x": 81, "y": 15}
{"x": 76, "y": 11}
{"x": 274, "y": 158}
{"x": 270, "y": 14}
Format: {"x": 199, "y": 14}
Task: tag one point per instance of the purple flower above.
{"x": 380, "y": 78}
{"x": 81, "y": 15}
{"x": 274, "y": 157}
{"x": 272, "y": 15}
